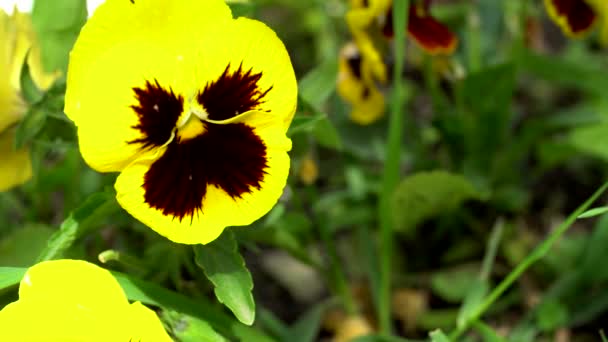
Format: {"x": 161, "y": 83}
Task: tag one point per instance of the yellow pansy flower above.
{"x": 362, "y": 20}
{"x": 192, "y": 108}
{"x": 356, "y": 85}
{"x": 16, "y": 39}
{"x": 75, "y": 301}
{"x": 577, "y": 17}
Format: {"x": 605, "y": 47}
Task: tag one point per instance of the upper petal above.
{"x": 252, "y": 48}
{"x": 124, "y": 46}
{"x": 575, "y": 17}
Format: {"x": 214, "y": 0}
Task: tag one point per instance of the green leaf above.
{"x": 381, "y": 338}
{"x": 30, "y": 92}
{"x": 191, "y": 329}
{"x": 438, "y": 336}
{"x": 551, "y": 315}
{"x": 30, "y": 126}
{"x": 306, "y": 328}
{"x": 591, "y": 140}
{"x": 21, "y": 247}
{"x": 225, "y": 268}
{"x": 309, "y": 119}
{"x": 57, "y": 24}
{"x": 487, "y": 333}
{"x": 564, "y": 72}
{"x": 11, "y": 276}
{"x": 592, "y": 266}
{"x": 427, "y": 194}
{"x": 477, "y": 291}
{"x": 454, "y": 285}
{"x": 489, "y": 116}
{"x": 95, "y": 206}
{"x": 316, "y": 86}
{"x": 593, "y": 212}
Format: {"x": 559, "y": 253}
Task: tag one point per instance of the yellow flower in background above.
{"x": 362, "y": 19}
{"x": 75, "y": 301}
{"x": 576, "y": 18}
{"x": 357, "y": 86}
{"x": 16, "y": 39}
{"x": 192, "y": 108}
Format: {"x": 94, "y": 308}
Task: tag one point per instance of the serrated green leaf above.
{"x": 77, "y": 222}
{"x": 426, "y": 194}
{"x": 57, "y": 24}
{"x": 438, "y": 336}
{"x": 225, "y": 268}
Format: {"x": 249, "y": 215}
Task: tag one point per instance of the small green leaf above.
{"x": 57, "y": 24}
{"x": 594, "y": 258}
{"x": 426, "y": 194}
{"x": 74, "y": 226}
{"x": 593, "y": 212}
{"x": 225, "y": 268}
{"x": 438, "y": 336}
{"x": 30, "y": 126}
{"x": 454, "y": 285}
{"x": 191, "y": 329}
{"x": 316, "y": 86}
{"x": 310, "y": 119}
{"x": 29, "y": 90}
{"x": 306, "y": 328}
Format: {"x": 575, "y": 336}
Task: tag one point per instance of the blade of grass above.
{"x": 391, "y": 167}
{"x": 538, "y": 253}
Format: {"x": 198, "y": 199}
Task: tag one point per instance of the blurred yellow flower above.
{"x": 576, "y": 18}
{"x": 75, "y": 301}
{"x": 357, "y": 86}
{"x": 16, "y": 39}
{"x": 192, "y": 108}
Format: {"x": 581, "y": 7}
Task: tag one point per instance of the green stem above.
{"x": 335, "y": 272}
{"x": 538, "y": 253}
{"x": 392, "y": 166}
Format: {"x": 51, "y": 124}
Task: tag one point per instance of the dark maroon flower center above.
{"x": 231, "y": 157}
{"x": 579, "y": 14}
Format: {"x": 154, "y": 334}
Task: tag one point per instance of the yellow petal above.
{"x": 9, "y": 113}
{"x": 15, "y": 165}
{"x": 219, "y": 210}
{"x": 145, "y": 325}
{"x": 255, "y": 46}
{"x": 122, "y": 46}
{"x": 75, "y": 301}
{"x": 367, "y": 102}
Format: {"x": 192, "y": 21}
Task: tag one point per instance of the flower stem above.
{"x": 538, "y": 253}
{"x": 392, "y": 166}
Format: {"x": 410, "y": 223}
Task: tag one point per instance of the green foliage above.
{"x": 225, "y": 268}
{"x": 57, "y": 24}
{"x": 427, "y": 194}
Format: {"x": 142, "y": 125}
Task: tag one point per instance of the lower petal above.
{"x": 167, "y": 207}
